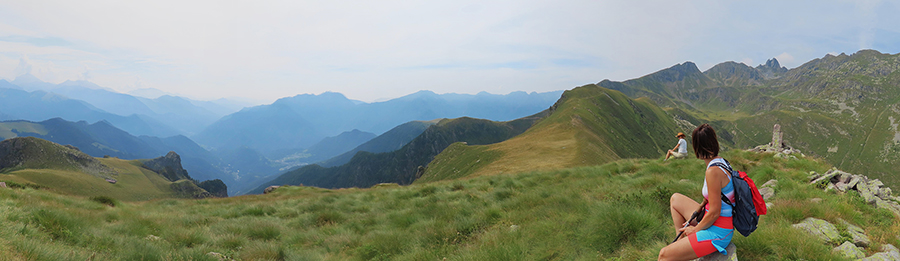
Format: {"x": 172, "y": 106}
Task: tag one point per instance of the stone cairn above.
{"x": 778, "y": 146}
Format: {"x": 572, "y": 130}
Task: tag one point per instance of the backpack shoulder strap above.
{"x": 730, "y": 175}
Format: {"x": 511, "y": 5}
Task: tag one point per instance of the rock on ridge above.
{"x": 820, "y": 228}
{"x": 168, "y": 166}
{"x": 872, "y": 191}
{"x": 778, "y": 146}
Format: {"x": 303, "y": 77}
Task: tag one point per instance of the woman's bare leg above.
{"x": 680, "y": 250}
{"x": 668, "y": 154}
{"x": 682, "y": 207}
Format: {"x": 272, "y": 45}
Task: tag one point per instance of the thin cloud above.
{"x": 375, "y": 49}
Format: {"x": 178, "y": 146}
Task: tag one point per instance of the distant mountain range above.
{"x": 296, "y": 123}
{"x": 167, "y": 115}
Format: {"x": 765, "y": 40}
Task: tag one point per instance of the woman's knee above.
{"x": 676, "y": 197}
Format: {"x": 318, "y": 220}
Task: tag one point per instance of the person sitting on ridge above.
{"x": 681, "y": 147}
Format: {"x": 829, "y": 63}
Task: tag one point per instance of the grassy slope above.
{"x": 68, "y": 171}
{"x": 6, "y": 129}
{"x": 133, "y": 182}
{"x": 614, "y": 211}
{"x": 589, "y": 125}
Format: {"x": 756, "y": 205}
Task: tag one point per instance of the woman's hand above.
{"x": 687, "y": 230}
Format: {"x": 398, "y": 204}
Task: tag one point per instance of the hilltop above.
{"x": 65, "y": 169}
{"x": 589, "y": 125}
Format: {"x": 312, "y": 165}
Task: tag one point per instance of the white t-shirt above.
{"x": 682, "y": 146}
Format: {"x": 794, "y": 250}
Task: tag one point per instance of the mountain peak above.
{"x": 772, "y": 69}
{"x": 733, "y": 73}
{"x": 677, "y": 72}
{"x": 27, "y": 78}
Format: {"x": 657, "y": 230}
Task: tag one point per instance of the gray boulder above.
{"x": 889, "y": 205}
{"x": 849, "y": 250}
{"x": 732, "y": 255}
{"x": 819, "y": 228}
{"x": 866, "y": 192}
{"x": 270, "y": 189}
{"x": 857, "y": 234}
{"x": 888, "y": 253}
{"x": 767, "y": 192}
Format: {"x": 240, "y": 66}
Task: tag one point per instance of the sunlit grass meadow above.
{"x": 614, "y": 211}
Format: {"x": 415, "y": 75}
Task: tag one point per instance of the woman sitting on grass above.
{"x": 713, "y": 233}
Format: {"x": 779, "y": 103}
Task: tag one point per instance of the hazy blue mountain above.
{"x": 222, "y": 107}
{"x": 4, "y": 84}
{"x": 29, "y": 82}
{"x": 391, "y": 140}
{"x": 109, "y": 101}
{"x": 318, "y": 116}
{"x": 181, "y": 113}
{"x": 41, "y": 105}
{"x": 103, "y": 139}
{"x": 263, "y": 128}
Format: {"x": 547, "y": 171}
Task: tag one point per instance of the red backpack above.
{"x": 748, "y": 203}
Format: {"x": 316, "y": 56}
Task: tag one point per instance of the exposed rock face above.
{"x": 888, "y": 252}
{"x": 772, "y": 69}
{"x": 872, "y": 191}
{"x": 820, "y": 228}
{"x": 215, "y": 187}
{"x": 270, "y": 189}
{"x": 168, "y": 166}
{"x": 849, "y": 250}
{"x": 767, "y": 190}
{"x": 857, "y": 234}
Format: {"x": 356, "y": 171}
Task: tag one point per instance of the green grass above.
{"x": 6, "y": 129}
{"x": 617, "y": 211}
{"x": 134, "y": 183}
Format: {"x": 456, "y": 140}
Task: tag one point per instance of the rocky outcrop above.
{"x": 270, "y": 189}
{"x": 888, "y": 252}
{"x": 820, "y": 228}
{"x": 168, "y": 166}
{"x": 857, "y": 234}
{"x": 772, "y": 69}
{"x": 849, "y": 250}
{"x": 215, "y": 187}
{"x": 778, "y": 146}
{"x": 872, "y": 191}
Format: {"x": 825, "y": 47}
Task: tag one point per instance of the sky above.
{"x": 375, "y": 50}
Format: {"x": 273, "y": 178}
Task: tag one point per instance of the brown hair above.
{"x": 705, "y": 142}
